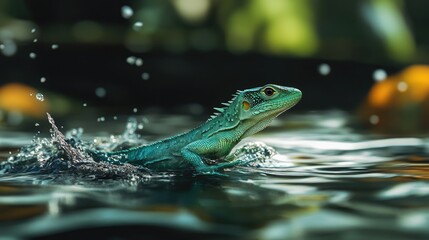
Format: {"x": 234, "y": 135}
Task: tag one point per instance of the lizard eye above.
{"x": 269, "y": 91}
{"x": 246, "y": 105}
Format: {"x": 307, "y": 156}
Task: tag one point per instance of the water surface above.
{"x": 326, "y": 181}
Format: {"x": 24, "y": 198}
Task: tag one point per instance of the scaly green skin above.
{"x": 247, "y": 113}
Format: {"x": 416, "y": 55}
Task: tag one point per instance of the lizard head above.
{"x": 259, "y": 106}
{"x": 253, "y": 109}
{"x": 267, "y": 101}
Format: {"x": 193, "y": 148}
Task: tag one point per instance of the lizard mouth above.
{"x": 276, "y": 107}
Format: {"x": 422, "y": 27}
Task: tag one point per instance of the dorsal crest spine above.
{"x": 220, "y": 110}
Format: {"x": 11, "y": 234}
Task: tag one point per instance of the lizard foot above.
{"x": 214, "y": 169}
{"x": 211, "y": 173}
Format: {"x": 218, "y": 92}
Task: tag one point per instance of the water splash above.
{"x": 68, "y": 157}
{"x": 255, "y": 154}
{"x": 73, "y": 154}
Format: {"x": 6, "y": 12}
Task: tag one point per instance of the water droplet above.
{"x": 324, "y": 69}
{"x": 402, "y": 86}
{"x": 127, "y": 12}
{"x": 40, "y": 97}
{"x": 36, "y": 124}
{"x": 33, "y": 30}
{"x": 131, "y": 60}
{"x": 140, "y": 126}
{"x": 101, "y": 119}
{"x": 379, "y": 75}
{"x": 139, "y": 62}
{"x": 137, "y": 26}
{"x": 145, "y": 120}
{"x": 35, "y": 40}
{"x": 8, "y": 47}
{"x": 374, "y": 119}
{"x": 145, "y": 76}
{"x": 42, "y": 79}
{"x": 100, "y": 92}
{"x": 84, "y": 104}
{"x": 32, "y": 55}
{"x": 54, "y": 46}
{"x": 134, "y": 110}
{"x": 115, "y": 118}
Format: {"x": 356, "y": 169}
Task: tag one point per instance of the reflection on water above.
{"x": 327, "y": 181}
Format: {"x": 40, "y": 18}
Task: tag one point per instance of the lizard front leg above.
{"x": 193, "y": 153}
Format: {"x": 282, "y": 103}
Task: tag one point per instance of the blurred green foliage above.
{"x": 366, "y": 30}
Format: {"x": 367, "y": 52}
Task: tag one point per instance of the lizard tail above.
{"x": 110, "y": 157}
{"x": 98, "y": 155}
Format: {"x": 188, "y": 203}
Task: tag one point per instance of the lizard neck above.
{"x": 225, "y": 122}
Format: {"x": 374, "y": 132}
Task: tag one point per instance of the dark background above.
{"x": 186, "y": 73}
